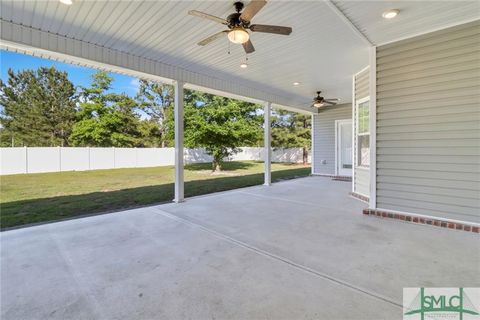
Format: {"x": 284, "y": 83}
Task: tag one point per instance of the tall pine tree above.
{"x": 156, "y": 100}
{"x": 291, "y": 130}
{"x": 38, "y": 107}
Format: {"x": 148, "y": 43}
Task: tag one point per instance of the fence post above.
{"x": 59, "y": 158}
{"x": 26, "y": 158}
{"x": 88, "y": 152}
{"x": 114, "y": 166}
{"x": 136, "y": 158}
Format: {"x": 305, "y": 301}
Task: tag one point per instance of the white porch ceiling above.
{"x": 322, "y": 53}
{"x": 416, "y": 17}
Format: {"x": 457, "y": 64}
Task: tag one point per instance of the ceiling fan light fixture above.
{"x": 296, "y": 84}
{"x": 238, "y": 35}
{"x": 67, "y": 2}
{"x": 390, "y": 14}
{"x": 318, "y": 104}
{"x": 243, "y": 65}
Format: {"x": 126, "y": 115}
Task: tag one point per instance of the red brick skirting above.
{"x": 359, "y": 196}
{"x": 342, "y": 178}
{"x": 423, "y": 220}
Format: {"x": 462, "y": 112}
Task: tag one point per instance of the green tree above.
{"x": 106, "y": 119}
{"x": 291, "y": 130}
{"x": 220, "y": 125}
{"x": 156, "y": 100}
{"x": 38, "y": 107}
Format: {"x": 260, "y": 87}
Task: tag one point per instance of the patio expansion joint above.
{"x": 278, "y": 258}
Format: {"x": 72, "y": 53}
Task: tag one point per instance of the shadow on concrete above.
{"x": 34, "y": 211}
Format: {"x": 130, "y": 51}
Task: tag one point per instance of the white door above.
{"x": 343, "y": 136}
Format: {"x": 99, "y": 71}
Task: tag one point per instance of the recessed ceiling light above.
{"x": 244, "y": 65}
{"x": 296, "y": 84}
{"x": 390, "y": 14}
{"x": 67, "y": 2}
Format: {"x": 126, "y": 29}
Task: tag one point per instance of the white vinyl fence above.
{"x": 55, "y": 159}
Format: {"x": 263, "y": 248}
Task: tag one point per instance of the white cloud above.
{"x": 135, "y": 84}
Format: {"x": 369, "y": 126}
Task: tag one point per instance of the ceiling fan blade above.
{"x": 325, "y": 102}
{"x": 331, "y": 101}
{"x": 213, "y": 37}
{"x": 252, "y": 9}
{"x": 248, "y": 46}
{"x": 271, "y": 29}
{"x": 207, "y": 16}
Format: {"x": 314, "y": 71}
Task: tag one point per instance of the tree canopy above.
{"x": 156, "y": 100}
{"x": 290, "y": 130}
{"x": 105, "y": 119}
{"x": 220, "y": 125}
{"x": 38, "y": 107}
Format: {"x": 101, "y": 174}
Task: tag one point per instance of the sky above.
{"x": 78, "y": 75}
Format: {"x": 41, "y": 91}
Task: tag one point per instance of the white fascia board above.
{"x": 23, "y": 39}
{"x": 247, "y": 99}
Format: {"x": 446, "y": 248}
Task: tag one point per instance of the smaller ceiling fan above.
{"x": 238, "y": 23}
{"x": 320, "y": 102}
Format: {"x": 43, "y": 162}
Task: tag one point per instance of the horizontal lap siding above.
{"x": 324, "y": 139}
{"x": 362, "y": 175}
{"x": 362, "y": 181}
{"x": 428, "y": 124}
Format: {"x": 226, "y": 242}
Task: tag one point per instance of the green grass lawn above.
{"x": 40, "y": 197}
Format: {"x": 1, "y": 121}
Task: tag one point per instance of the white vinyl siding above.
{"x": 428, "y": 124}
{"x": 361, "y": 180}
{"x": 324, "y": 137}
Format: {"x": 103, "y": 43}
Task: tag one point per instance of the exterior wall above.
{"x": 361, "y": 179}
{"x": 324, "y": 137}
{"x": 428, "y": 124}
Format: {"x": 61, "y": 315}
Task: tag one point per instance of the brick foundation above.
{"x": 342, "y": 178}
{"x": 360, "y": 197}
{"x": 430, "y": 221}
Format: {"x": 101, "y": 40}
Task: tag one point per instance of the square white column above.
{"x": 179, "y": 180}
{"x": 267, "y": 143}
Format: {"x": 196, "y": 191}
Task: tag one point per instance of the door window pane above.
{"x": 363, "y": 150}
{"x": 363, "y": 134}
{"x": 363, "y": 118}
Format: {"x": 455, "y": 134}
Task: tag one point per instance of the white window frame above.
{"x": 358, "y": 102}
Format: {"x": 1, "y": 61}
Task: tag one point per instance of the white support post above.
{"x": 267, "y": 143}
{"x": 312, "y": 147}
{"x": 373, "y": 128}
{"x": 179, "y": 183}
{"x": 354, "y": 143}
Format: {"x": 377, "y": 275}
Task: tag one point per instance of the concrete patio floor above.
{"x": 300, "y": 249}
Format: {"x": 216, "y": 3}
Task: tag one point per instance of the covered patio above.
{"x": 291, "y": 250}
{"x": 296, "y": 249}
